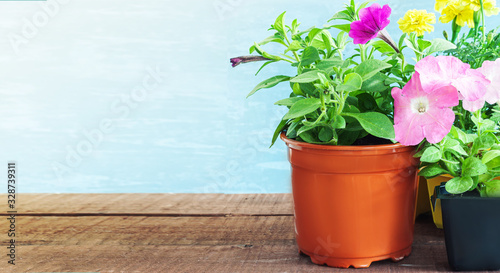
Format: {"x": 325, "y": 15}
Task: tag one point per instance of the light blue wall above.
{"x": 139, "y": 96}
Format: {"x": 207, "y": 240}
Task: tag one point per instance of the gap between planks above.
{"x": 147, "y": 214}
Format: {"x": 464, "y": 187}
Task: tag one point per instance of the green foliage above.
{"x": 336, "y": 99}
{"x": 340, "y": 100}
{"x": 470, "y": 153}
{"x": 472, "y": 159}
{"x": 472, "y": 49}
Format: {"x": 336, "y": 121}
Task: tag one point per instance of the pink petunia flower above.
{"x": 420, "y": 114}
{"x": 491, "y": 70}
{"x": 373, "y": 20}
{"x": 448, "y": 70}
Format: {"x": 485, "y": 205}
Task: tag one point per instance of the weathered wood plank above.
{"x": 255, "y": 238}
{"x": 159, "y": 258}
{"x": 141, "y": 230}
{"x": 154, "y": 204}
{"x": 146, "y": 230}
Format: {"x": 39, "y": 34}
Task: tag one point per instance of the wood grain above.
{"x": 154, "y": 204}
{"x": 144, "y": 230}
{"x": 226, "y": 258}
{"x": 178, "y": 233}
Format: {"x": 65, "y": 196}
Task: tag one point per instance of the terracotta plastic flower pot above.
{"x": 353, "y": 204}
{"x": 471, "y": 230}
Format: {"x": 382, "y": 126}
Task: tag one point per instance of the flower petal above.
{"x": 411, "y": 124}
{"x": 473, "y": 106}
{"x": 407, "y": 134}
{"x": 472, "y": 85}
{"x": 491, "y": 70}
{"x": 443, "y": 120}
{"x": 372, "y": 20}
{"x": 360, "y": 33}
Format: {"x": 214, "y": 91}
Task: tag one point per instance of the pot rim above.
{"x": 293, "y": 142}
{"x": 441, "y": 193}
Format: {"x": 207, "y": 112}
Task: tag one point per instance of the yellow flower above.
{"x": 462, "y": 12}
{"x": 440, "y": 5}
{"x": 488, "y": 5}
{"x": 417, "y": 21}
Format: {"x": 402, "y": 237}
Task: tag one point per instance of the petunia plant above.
{"x": 345, "y": 99}
{"x": 449, "y": 107}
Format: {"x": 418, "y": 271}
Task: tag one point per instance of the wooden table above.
{"x": 177, "y": 233}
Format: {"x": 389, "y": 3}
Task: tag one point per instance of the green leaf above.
{"x": 473, "y": 166}
{"x": 296, "y": 89}
{"x": 309, "y": 56}
{"x": 492, "y": 188}
{"x": 439, "y": 44}
{"x": 453, "y": 145}
{"x": 303, "y": 107}
{"x": 366, "y": 102}
{"x": 382, "y": 46}
{"x": 327, "y": 41}
{"x": 341, "y": 15}
{"x": 294, "y": 46}
{"x": 369, "y": 68}
{"x": 306, "y": 128}
{"x": 423, "y": 44}
{"x": 273, "y": 81}
{"x": 278, "y": 130}
{"x": 459, "y": 185}
{"x": 325, "y": 134}
{"x": 288, "y": 101}
{"x": 309, "y": 137}
{"x": 491, "y": 159}
{"x": 280, "y": 23}
{"x": 291, "y": 132}
{"x": 484, "y": 124}
{"x": 375, "y": 83}
{"x": 431, "y": 155}
{"x": 309, "y": 76}
{"x": 328, "y": 64}
{"x": 459, "y": 134}
{"x": 376, "y": 124}
{"x": 352, "y": 82}
{"x": 264, "y": 54}
{"x": 308, "y": 89}
{"x": 483, "y": 142}
{"x": 413, "y": 47}
{"x": 490, "y": 155}
{"x": 276, "y": 38}
{"x": 322, "y": 40}
{"x": 347, "y": 138}
{"x": 312, "y": 33}
{"x": 431, "y": 171}
{"x": 338, "y": 122}
{"x": 343, "y": 27}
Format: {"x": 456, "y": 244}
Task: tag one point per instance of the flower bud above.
{"x": 246, "y": 59}
{"x": 445, "y": 34}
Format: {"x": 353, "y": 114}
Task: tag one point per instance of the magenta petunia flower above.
{"x": 373, "y": 20}
{"x": 420, "y": 114}
{"x": 448, "y": 70}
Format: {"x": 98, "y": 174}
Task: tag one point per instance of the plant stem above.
{"x": 362, "y": 52}
{"x": 294, "y": 52}
{"x": 482, "y": 21}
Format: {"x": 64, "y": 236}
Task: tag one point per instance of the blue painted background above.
{"x": 139, "y": 96}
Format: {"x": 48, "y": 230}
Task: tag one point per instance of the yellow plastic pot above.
{"x": 437, "y": 215}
